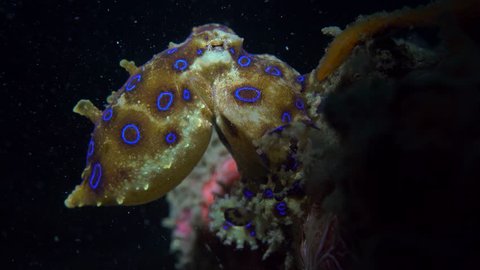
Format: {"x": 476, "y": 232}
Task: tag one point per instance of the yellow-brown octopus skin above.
{"x": 158, "y": 125}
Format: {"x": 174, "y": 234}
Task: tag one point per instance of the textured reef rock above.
{"x": 368, "y": 162}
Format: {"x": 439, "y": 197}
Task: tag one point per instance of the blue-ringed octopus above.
{"x": 157, "y": 126}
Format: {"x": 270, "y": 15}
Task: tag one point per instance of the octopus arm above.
{"x": 137, "y": 154}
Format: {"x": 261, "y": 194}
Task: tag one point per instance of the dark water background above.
{"x": 57, "y": 52}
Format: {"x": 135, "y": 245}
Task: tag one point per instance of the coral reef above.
{"x": 191, "y": 200}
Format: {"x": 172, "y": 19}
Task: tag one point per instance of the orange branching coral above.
{"x": 365, "y": 28}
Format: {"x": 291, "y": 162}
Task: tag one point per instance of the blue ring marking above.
{"x": 199, "y": 51}
{"x": 172, "y": 50}
{"x": 159, "y": 100}
{"x": 249, "y": 227}
{"x": 107, "y": 114}
{"x": 180, "y": 64}
{"x": 137, "y": 131}
{"x": 91, "y": 148}
{"x": 268, "y": 193}
{"x": 232, "y": 50}
{"x": 186, "y": 95}
{"x": 300, "y": 79}
{"x": 241, "y": 61}
{"x": 278, "y": 129}
{"x": 272, "y": 70}
{"x": 130, "y": 84}
{"x": 248, "y": 193}
{"x": 96, "y": 175}
{"x": 227, "y": 225}
{"x": 286, "y": 117}
{"x": 300, "y": 104}
{"x": 171, "y": 137}
{"x": 248, "y": 88}
{"x": 281, "y": 208}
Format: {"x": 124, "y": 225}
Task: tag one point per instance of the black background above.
{"x": 57, "y": 52}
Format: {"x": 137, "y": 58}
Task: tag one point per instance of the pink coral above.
{"x": 223, "y": 177}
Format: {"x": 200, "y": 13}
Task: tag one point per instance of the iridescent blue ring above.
{"x": 91, "y": 148}
{"x": 227, "y": 225}
{"x": 299, "y": 104}
{"x": 268, "y": 193}
{"x": 241, "y": 61}
{"x": 169, "y": 103}
{"x": 107, "y": 114}
{"x": 248, "y": 193}
{"x": 278, "y": 129}
{"x": 172, "y": 50}
{"x": 300, "y": 79}
{"x": 131, "y": 84}
{"x": 186, "y": 94}
{"x": 281, "y": 208}
{"x": 180, "y": 64}
{"x": 286, "y": 117}
{"x": 199, "y": 51}
{"x": 171, "y": 137}
{"x": 273, "y": 70}
{"x": 95, "y": 176}
{"x": 232, "y": 50}
{"x": 137, "y": 131}
{"x": 248, "y": 88}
